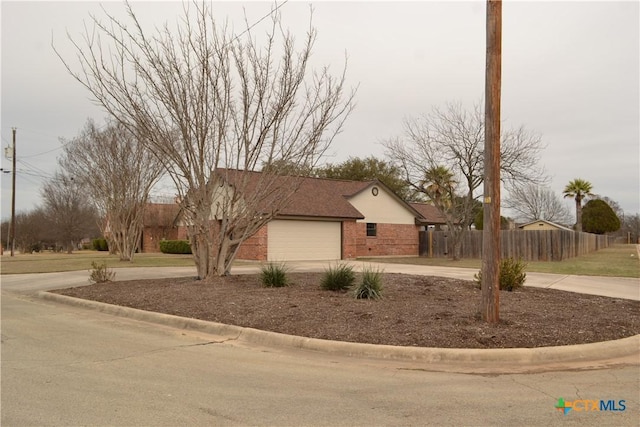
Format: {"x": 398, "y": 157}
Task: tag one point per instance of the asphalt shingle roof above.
{"x": 316, "y": 197}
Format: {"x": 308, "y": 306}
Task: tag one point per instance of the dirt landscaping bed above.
{"x": 417, "y": 311}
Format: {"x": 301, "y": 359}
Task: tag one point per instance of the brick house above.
{"x": 329, "y": 219}
{"x": 160, "y": 223}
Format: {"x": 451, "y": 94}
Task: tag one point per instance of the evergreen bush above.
{"x": 512, "y": 274}
{"x": 100, "y": 244}
{"x": 175, "y": 247}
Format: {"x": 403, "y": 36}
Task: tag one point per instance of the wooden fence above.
{"x": 530, "y": 245}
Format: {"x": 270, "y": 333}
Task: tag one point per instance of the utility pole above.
{"x": 490, "y": 305}
{"x": 12, "y": 231}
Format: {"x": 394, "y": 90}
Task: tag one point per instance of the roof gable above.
{"x": 160, "y": 214}
{"x": 552, "y": 224}
{"x": 429, "y": 213}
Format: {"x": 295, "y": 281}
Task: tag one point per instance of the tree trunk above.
{"x": 203, "y": 248}
{"x": 578, "y": 214}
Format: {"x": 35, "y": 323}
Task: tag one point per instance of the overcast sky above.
{"x": 570, "y": 73}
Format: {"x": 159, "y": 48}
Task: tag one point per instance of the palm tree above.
{"x": 578, "y": 189}
{"x": 439, "y": 186}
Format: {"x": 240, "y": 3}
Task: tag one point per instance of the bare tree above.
{"x": 531, "y": 202}
{"x": 70, "y": 213}
{"x": 630, "y": 228}
{"x": 207, "y": 101}
{"x": 32, "y": 230}
{"x": 453, "y": 137}
{"x": 118, "y": 172}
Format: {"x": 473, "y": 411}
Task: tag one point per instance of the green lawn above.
{"x": 48, "y": 262}
{"x": 616, "y": 261}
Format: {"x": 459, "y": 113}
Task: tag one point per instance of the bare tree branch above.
{"x": 118, "y": 172}
{"x": 207, "y": 102}
{"x": 531, "y": 202}
{"x": 452, "y": 137}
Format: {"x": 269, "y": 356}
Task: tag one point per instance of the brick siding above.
{"x": 151, "y": 237}
{"x": 390, "y": 240}
{"x": 255, "y": 247}
{"x": 350, "y": 230}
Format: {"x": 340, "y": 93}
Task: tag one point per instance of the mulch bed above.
{"x": 417, "y": 311}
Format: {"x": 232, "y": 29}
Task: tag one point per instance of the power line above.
{"x": 44, "y": 152}
{"x": 250, "y": 27}
{"x": 29, "y": 166}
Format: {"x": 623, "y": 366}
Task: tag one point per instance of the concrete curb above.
{"x": 583, "y": 356}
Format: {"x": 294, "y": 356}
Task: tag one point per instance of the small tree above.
{"x": 599, "y": 218}
{"x": 440, "y": 187}
{"x": 578, "y": 189}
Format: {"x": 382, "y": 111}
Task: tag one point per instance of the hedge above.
{"x": 175, "y": 247}
{"x": 100, "y": 244}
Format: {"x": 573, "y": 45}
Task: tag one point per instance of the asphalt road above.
{"x": 63, "y": 365}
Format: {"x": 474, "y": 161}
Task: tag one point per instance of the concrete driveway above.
{"x": 64, "y": 365}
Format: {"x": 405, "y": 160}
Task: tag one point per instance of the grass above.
{"x": 616, "y": 261}
{"x": 47, "y": 262}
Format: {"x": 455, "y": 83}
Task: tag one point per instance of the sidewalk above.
{"x": 615, "y": 287}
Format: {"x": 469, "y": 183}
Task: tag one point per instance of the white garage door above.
{"x": 303, "y": 240}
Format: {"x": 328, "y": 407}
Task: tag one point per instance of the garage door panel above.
{"x": 303, "y": 240}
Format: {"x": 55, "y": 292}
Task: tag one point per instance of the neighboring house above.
{"x": 541, "y": 224}
{"x": 159, "y": 223}
{"x": 330, "y": 220}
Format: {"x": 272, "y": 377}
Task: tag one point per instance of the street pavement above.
{"x": 66, "y": 365}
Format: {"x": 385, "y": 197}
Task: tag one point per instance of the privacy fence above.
{"x": 530, "y": 245}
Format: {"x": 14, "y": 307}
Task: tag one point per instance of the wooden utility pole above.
{"x": 13, "y": 195}
{"x": 490, "y": 306}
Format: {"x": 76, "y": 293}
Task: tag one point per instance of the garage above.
{"x": 293, "y": 240}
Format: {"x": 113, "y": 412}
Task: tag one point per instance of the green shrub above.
{"x": 175, "y": 247}
{"x": 99, "y": 273}
{"x": 338, "y": 278}
{"x": 512, "y": 275}
{"x": 274, "y": 275}
{"x": 371, "y": 285}
{"x": 100, "y": 244}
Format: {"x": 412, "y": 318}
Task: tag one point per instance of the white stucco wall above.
{"x": 381, "y": 209}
